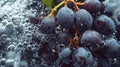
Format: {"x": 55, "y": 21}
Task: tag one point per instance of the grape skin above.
{"x": 64, "y": 53}
{"x": 48, "y": 25}
{"x": 116, "y": 18}
{"x": 92, "y": 5}
{"x": 83, "y": 19}
{"x": 91, "y": 39}
{"x": 62, "y": 37}
{"x": 112, "y": 47}
{"x": 104, "y": 25}
{"x": 65, "y": 17}
{"x": 82, "y": 55}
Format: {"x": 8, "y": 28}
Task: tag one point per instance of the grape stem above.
{"x": 74, "y": 41}
{"x": 55, "y": 8}
{"x": 66, "y": 1}
{"x": 76, "y": 4}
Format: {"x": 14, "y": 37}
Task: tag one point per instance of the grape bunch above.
{"x": 84, "y": 33}
{"x": 75, "y": 33}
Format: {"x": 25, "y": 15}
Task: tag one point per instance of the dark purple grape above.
{"x": 47, "y": 25}
{"x": 116, "y": 18}
{"x": 64, "y": 53}
{"x": 64, "y": 57}
{"x": 65, "y": 17}
{"x": 112, "y": 47}
{"x": 83, "y": 19}
{"x": 62, "y": 37}
{"x": 110, "y": 7}
{"x": 83, "y": 56}
{"x": 71, "y": 5}
{"x": 92, "y": 5}
{"x": 91, "y": 39}
{"x": 103, "y": 62}
{"x": 95, "y": 63}
{"x": 104, "y": 25}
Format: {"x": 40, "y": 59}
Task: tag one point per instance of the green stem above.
{"x": 55, "y": 8}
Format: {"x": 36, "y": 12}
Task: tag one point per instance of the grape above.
{"x": 100, "y": 53}
{"x": 108, "y": 12}
{"x": 62, "y": 17}
{"x": 116, "y": 17}
{"x": 92, "y": 5}
{"x": 64, "y": 53}
{"x": 110, "y": 7}
{"x": 64, "y": 57}
{"x": 95, "y": 63}
{"x": 62, "y": 37}
{"x": 91, "y": 39}
{"x": 112, "y": 47}
{"x": 84, "y": 20}
{"x": 34, "y": 38}
{"x": 104, "y": 25}
{"x": 83, "y": 56}
{"x": 71, "y": 5}
{"x": 47, "y": 25}
{"x": 103, "y": 62}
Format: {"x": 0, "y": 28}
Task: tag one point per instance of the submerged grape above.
{"x": 65, "y": 17}
{"x": 83, "y": 19}
{"x": 104, "y": 25}
{"x": 48, "y": 25}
